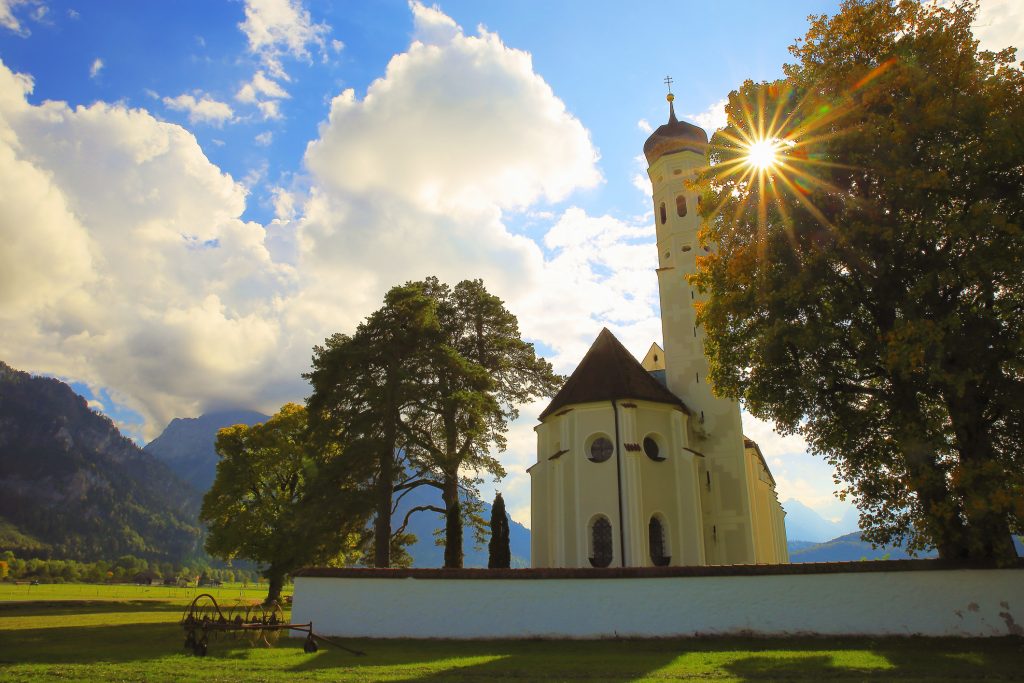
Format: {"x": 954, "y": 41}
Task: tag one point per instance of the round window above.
{"x": 600, "y": 449}
{"x": 651, "y": 449}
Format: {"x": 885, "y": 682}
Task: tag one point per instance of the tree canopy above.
{"x": 864, "y": 285}
{"x": 257, "y": 508}
{"x": 424, "y": 391}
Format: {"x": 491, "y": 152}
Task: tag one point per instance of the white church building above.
{"x": 640, "y": 464}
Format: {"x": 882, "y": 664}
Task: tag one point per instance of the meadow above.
{"x": 130, "y": 633}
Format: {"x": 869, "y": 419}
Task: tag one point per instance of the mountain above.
{"x": 71, "y": 486}
{"x": 851, "y": 548}
{"x": 186, "y": 445}
{"x": 804, "y": 524}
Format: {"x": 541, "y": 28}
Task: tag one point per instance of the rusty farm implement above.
{"x": 260, "y": 624}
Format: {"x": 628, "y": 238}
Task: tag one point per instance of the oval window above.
{"x": 600, "y": 449}
{"x": 680, "y": 205}
{"x": 652, "y": 449}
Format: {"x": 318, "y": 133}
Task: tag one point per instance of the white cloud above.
{"x": 337, "y": 45}
{"x": 126, "y": 265}
{"x": 144, "y": 280}
{"x": 1000, "y": 24}
{"x": 712, "y": 118}
{"x": 645, "y": 126}
{"x": 276, "y": 28}
{"x": 264, "y": 138}
{"x": 270, "y": 109}
{"x": 260, "y": 87}
{"x": 7, "y": 18}
{"x": 205, "y": 109}
{"x": 97, "y": 66}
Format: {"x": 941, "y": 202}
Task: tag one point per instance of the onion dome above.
{"x": 675, "y": 136}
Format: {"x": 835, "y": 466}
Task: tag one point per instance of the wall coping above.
{"x": 866, "y": 566}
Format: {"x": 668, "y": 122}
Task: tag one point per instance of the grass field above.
{"x": 138, "y": 639}
{"x": 90, "y": 591}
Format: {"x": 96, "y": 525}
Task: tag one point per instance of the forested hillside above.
{"x": 71, "y": 486}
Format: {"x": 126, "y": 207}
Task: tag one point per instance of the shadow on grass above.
{"x": 809, "y": 659}
{"x": 28, "y": 608}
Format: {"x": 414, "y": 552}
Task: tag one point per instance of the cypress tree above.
{"x": 499, "y": 555}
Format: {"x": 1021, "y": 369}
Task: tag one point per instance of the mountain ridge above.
{"x": 73, "y": 486}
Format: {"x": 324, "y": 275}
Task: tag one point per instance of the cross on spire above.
{"x": 668, "y": 82}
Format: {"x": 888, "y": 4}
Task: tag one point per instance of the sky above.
{"x": 194, "y": 193}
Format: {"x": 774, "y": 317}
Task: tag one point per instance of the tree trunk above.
{"x": 386, "y": 477}
{"x": 276, "y": 579}
{"x": 452, "y": 524}
{"x": 927, "y": 479}
{"x": 981, "y": 479}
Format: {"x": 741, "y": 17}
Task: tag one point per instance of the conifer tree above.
{"x": 499, "y": 556}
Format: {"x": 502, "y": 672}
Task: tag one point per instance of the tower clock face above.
{"x": 600, "y": 449}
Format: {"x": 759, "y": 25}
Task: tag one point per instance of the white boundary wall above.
{"x": 970, "y": 602}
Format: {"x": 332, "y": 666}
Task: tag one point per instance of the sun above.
{"x": 762, "y": 154}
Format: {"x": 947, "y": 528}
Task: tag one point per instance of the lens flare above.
{"x": 762, "y": 154}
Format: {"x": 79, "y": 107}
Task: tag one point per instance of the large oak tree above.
{"x": 865, "y": 287}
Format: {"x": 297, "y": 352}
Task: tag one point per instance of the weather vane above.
{"x": 668, "y": 82}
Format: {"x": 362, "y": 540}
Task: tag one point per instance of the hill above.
{"x": 186, "y": 445}
{"x": 851, "y": 548}
{"x": 804, "y": 524}
{"x": 71, "y": 486}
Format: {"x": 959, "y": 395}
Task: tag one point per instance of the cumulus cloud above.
{"x": 260, "y": 87}
{"x": 1000, "y": 24}
{"x": 264, "y": 138}
{"x": 205, "y": 109}
{"x": 645, "y": 126}
{"x": 712, "y": 118}
{"x": 276, "y": 28}
{"x": 126, "y": 265}
{"x": 97, "y": 66}
{"x": 150, "y": 285}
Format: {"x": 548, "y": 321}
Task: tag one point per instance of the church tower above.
{"x": 640, "y": 464}
{"x": 675, "y": 152}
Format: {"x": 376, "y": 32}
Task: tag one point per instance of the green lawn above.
{"x": 139, "y": 640}
{"x": 90, "y": 591}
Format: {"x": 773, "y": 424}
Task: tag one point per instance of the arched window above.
{"x": 656, "y": 537}
{"x": 600, "y": 449}
{"x": 680, "y": 205}
{"x": 652, "y": 449}
{"x": 664, "y": 215}
{"x": 600, "y": 542}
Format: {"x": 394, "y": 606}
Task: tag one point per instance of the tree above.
{"x": 866, "y": 286}
{"x": 479, "y": 371}
{"x": 256, "y": 508}
{"x": 499, "y": 556}
{"x": 425, "y": 389}
{"x": 362, "y": 385}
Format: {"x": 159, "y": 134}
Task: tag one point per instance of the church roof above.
{"x": 675, "y": 136}
{"x": 608, "y": 372}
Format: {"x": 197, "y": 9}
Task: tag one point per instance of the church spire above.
{"x": 671, "y": 98}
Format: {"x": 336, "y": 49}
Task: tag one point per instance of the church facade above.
{"x": 640, "y": 464}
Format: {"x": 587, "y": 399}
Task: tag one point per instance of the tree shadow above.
{"x": 27, "y": 608}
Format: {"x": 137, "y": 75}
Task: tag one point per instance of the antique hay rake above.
{"x": 260, "y": 624}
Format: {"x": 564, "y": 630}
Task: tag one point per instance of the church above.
{"x": 639, "y": 464}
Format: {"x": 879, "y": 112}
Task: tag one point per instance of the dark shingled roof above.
{"x": 609, "y": 372}
{"x": 675, "y": 136}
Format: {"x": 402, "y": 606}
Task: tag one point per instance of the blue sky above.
{"x": 192, "y": 194}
